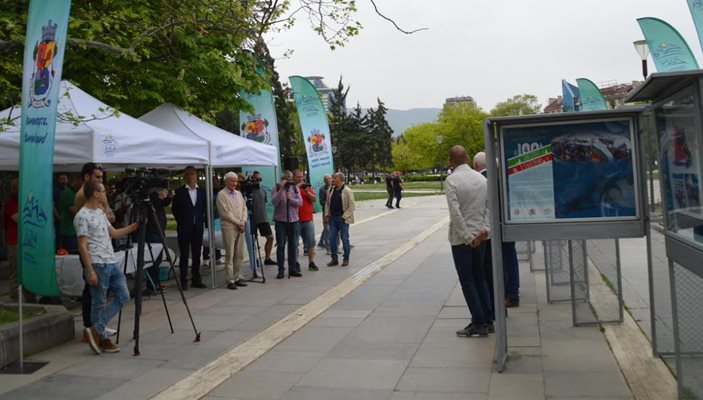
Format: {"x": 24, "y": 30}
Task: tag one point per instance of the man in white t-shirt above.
{"x": 102, "y": 272}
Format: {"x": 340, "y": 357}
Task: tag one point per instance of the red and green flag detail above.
{"x": 530, "y": 160}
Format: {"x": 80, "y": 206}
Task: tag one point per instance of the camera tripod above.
{"x": 146, "y": 212}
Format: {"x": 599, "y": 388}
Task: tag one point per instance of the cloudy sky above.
{"x": 487, "y": 49}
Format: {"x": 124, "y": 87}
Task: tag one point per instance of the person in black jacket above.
{"x": 189, "y": 207}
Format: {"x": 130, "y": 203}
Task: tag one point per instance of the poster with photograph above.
{"x": 569, "y": 171}
{"x": 679, "y": 144}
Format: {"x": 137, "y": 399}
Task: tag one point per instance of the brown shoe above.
{"x": 510, "y": 303}
{"x": 240, "y": 283}
{"x": 108, "y": 347}
{"x": 345, "y": 263}
{"x": 231, "y": 286}
{"x": 93, "y": 339}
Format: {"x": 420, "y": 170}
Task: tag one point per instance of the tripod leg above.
{"x": 119, "y": 316}
{"x": 153, "y": 284}
{"x": 178, "y": 284}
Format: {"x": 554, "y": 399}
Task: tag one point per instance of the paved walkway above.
{"x": 390, "y": 335}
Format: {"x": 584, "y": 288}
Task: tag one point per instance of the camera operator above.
{"x": 159, "y": 199}
{"x": 305, "y": 213}
{"x": 286, "y": 201}
{"x": 252, "y": 190}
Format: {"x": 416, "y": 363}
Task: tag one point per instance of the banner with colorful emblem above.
{"x": 316, "y": 131}
{"x": 47, "y": 24}
{"x": 261, "y": 126}
{"x": 696, "y": 7}
{"x": 669, "y": 50}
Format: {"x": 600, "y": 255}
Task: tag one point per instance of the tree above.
{"x": 137, "y": 55}
{"x": 460, "y": 124}
{"x": 410, "y": 151}
{"x": 521, "y": 104}
{"x": 381, "y": 136}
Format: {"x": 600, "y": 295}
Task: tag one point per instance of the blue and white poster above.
{"x": 573, "y": 171}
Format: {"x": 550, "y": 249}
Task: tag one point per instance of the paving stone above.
{"x": 317, "y": 393}
{"x": 65, "y": 387}
{"x": 471, "y": 380}
{"x": 585, "y": 383}
{"x": 360, "y": 374}
{"x": 510, "y": 386}
{"x": 257, "y": 385}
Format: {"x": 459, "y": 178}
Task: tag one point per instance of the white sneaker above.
{"x": 110, "y": 331}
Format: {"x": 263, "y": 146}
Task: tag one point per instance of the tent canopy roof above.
{"x": 115, "y": 140}
{"x": 226, "y": 149}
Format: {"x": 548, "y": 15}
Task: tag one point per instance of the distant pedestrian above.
{"x": 339, "y": 212}
{"x": 389, "y": 189}
{"x": 397, "y": 188}
{"x": 466, "y": 192}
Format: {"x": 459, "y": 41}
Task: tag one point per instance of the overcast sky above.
{"x": 487, "y": 49}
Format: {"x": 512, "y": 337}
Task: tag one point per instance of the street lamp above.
{"x": 643, "y": 51}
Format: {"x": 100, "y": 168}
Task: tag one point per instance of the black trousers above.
{"x": 190, "y": 241}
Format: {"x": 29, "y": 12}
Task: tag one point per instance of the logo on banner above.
{"x": 219, "y": 152}
{"x": 317, "y": 145}
{"x": 43, "y": 73}
{"x": 255, "y": 129}
{"x": 109, "y": 145}
{"x": 34, "y": 219}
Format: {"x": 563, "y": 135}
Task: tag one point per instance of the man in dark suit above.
{"x": 189, "y": 207}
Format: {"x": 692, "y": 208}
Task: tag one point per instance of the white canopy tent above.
{"x": 114, "y": 140}
{"x": 226, "y": 149}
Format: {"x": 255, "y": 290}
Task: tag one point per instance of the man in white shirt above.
{"x": 102, "y": 271}
{"x": 466, "y": 192}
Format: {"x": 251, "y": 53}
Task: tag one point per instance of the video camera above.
{"x": 249, "y": 185}
{"x": 143, "y": 179}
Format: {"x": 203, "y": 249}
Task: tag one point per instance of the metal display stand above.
{"x": 678, "y": 114}
{"x": 574, "y": 138}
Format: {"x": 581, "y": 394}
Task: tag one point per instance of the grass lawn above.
{"x": 433, "y": 185}
{"x": 8, "y": 316}
{"x": 361, "y": 196}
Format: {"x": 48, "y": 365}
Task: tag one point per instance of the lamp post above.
{"x": 439, "y": 138}
{"x": 643, "y": 51}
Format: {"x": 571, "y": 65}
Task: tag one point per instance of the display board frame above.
{"x": 581, "y": 227}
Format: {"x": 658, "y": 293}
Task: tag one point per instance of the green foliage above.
{"x": 412, "y": 151}
{"x": 521, "y": 104}
{"x": 461, "y": 124}
{"x": 139, "y": 54}
{"x": 359, "y": 141}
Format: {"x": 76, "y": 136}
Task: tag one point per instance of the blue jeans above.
{"x": 468, "y": 262}
{"x": 339, "y": 227}
{"x": 511, "y": 272}
{"x": 286, "y": 232}
{"x": 110, "y": 277}
{"x": 325, "y": 236}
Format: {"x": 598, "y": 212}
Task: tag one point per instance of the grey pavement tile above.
{"x": 471, "y": 380}
{"x": 437, "y": 396}
{"x": 403, "y": 310}
{"x": 524, "y": 360}
{"x": 194, "y": 359}
{"x": 287, "y": 361}
{"x": 393, "y": 329}
{"x": 257, "y": 385}
{"x": 61, "y": 386}
{"x": 352, "y": 374}
{"x": 455, "y": 312}
{"x": 365, "y": 296}
{"x": 317, "y": 393}
{"x": 317, "y": 339}
{"x": 354, "y": 348}
{"x": 146, "y": 385}
{"x": 510, "y": 386}
{"x": 330, "y": 322}
{"x": 334, "y": 313}
{"x": 552, "y": 330}
{"x": 589, "y": 398}
{"x": 461, "y": 356}
{"x": 224, "y": 340}
{"x": 112, "y": 367}
{"x": 592, "y": 355}
{"x": 585, "y": 383}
